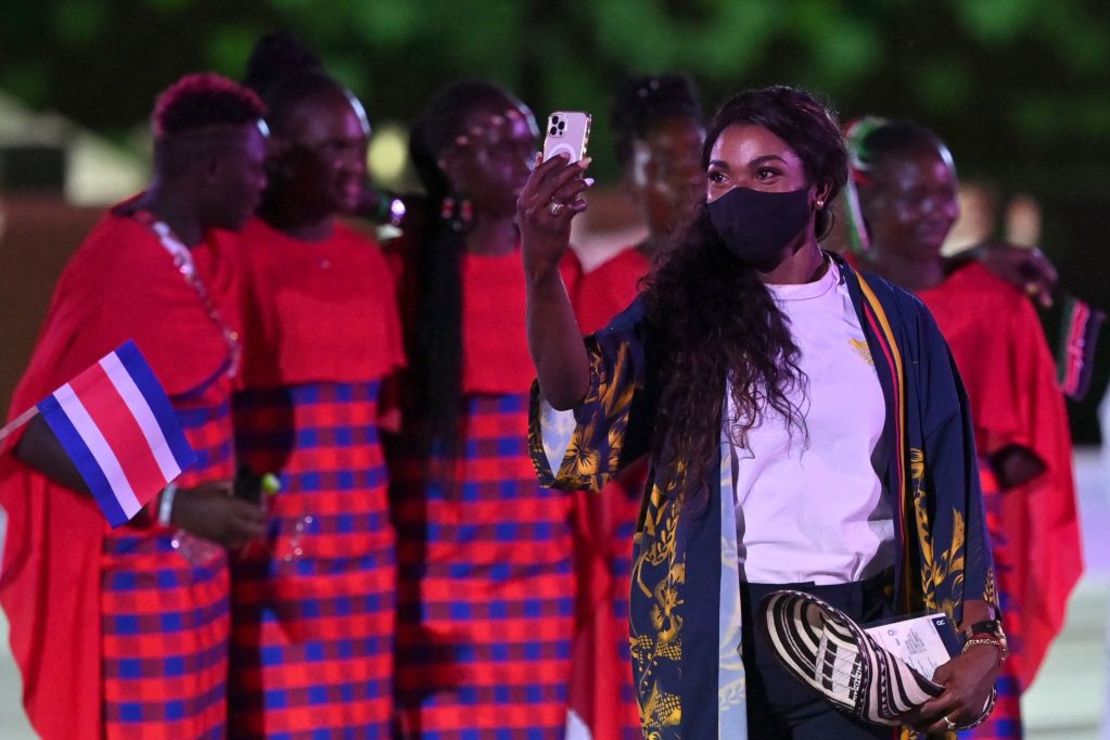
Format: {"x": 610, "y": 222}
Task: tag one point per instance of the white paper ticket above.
{"x": 916, "y": 641}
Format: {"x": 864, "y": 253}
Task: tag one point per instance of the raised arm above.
{"x": 548, "y": 203}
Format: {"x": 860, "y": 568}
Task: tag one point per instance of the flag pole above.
{"x": 15, "y": 425}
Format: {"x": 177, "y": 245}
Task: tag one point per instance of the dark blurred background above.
{"x": 1020, "y": 89}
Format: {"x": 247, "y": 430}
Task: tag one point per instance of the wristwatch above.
{"x": 989, "y": 632}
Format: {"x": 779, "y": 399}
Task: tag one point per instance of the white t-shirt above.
{"x": 812, "y": 509}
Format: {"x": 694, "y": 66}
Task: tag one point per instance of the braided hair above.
{"x": 435, "y": 346}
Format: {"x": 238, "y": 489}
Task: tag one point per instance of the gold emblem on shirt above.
{"x": 860, "y": 346}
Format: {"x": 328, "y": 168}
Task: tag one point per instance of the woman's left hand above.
{"x": 967, "y": 680}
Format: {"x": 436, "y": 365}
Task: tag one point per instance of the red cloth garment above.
{"x": 314, "y": 610}
{"x": 336, "y": 294}
{"x": 486, "y": 586}
{"x": 1010, "y": 377}
{"x": 486, "y": 580}
{"x": 609, "y": 288}
{"x": 495, "y": 353}
{"x": 601, "y": 690}
{"x": 120, "y": 284}
{"x": 165, "y": 621}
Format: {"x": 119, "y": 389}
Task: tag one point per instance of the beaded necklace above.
{"x": 183, "y": 261}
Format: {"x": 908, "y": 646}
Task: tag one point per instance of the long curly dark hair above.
{"x": 717, "y": 322}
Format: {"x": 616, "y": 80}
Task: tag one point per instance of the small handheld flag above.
{"x": 119, "y": 429}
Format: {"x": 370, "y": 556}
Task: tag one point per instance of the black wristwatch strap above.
{"x": 989, "y": 627}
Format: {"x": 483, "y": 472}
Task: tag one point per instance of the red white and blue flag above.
{"x": 119, "y": 429}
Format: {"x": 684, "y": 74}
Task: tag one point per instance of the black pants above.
{"x": 780, "y": 706}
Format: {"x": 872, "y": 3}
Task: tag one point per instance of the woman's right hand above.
{"x": 211, "y": 511}
{"x": 547, "y": 204}
{"x": 1026, "y": 268}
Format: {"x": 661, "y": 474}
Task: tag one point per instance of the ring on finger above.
{"x": 556, "y": 207}
{"x": 949, "y": 723}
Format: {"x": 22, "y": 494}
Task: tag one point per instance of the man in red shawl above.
{"x": 125, "y": 631}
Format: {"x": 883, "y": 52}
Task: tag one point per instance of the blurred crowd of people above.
{"x": 364, "y": 548}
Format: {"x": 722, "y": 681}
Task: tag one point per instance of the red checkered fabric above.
{"x": 314, "y": 611}
{"x": 603, "y": 692}
{"x": 486, "y": 586}
{"x": 165, "y": 618}
{"x": 625, "y": 510}
{"x": 609, "y": 520}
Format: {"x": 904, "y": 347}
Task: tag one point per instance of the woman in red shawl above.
{"x": 314, "y": 610}
{"x": 124, "y": 633}
{"x": 907, "y": 188}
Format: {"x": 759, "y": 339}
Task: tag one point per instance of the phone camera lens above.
{"x": 562, "y": 126}
{"x": 553, "y": 131}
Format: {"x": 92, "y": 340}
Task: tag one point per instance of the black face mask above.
{"x": 756, "y": 226}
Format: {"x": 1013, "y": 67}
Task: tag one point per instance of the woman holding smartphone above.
{"x": 805, "y": 425}
{"x": 487, "y": 583}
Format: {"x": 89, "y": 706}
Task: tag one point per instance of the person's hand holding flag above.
{"x": 112, "y": 432}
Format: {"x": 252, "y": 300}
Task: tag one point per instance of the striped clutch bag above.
{"x": 824, "y": 648}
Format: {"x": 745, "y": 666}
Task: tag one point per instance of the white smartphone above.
{"x": 568, "y": 132}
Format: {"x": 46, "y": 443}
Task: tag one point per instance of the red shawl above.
{"x": 495, "y": 341}
{"x": 609, "y": 288}
{"x": 317, "y": 311}
{"x": 120, "y": 284}
{"x": 1010, "y": 377}
{"x": 494, "y": 335}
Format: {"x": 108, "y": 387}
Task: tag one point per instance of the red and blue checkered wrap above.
{"x": 625, "y": 509}
{"x": 486, "y": 586}
{"x": 314, "y": 613}
{"x": 165, "y": 620}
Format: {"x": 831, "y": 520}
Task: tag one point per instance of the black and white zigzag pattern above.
{"x": 826, "y": 649}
